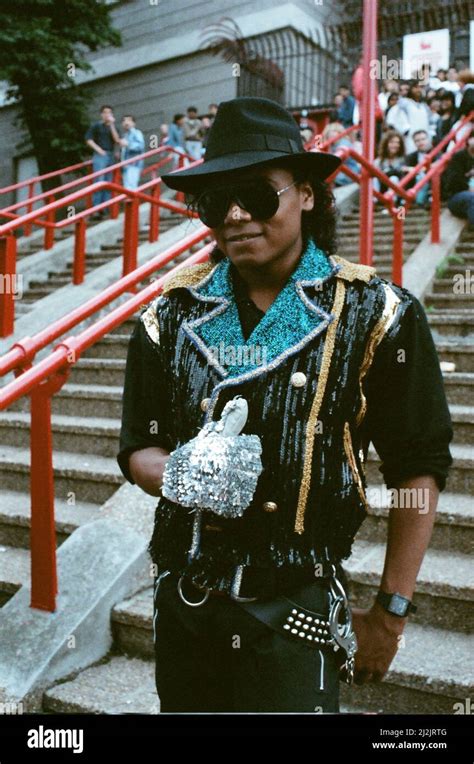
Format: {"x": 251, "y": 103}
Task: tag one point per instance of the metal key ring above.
{"x": 192, "y": 604}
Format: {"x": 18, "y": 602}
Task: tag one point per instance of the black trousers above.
{"x": 219, "y": 658}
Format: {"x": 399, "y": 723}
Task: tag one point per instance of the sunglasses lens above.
{"x": 212, "y": 208}
{"x": 258, "y": 198}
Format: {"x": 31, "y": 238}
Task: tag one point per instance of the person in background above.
{"x": 458, "y": 182}
{"x": 417, "y": 112}
{"x": 207, "y": 123}
{"x": 396, "y": 117}
{"x": 345, "y": 112}
{"x": 447, "y": 117}
{"x": 439, "y": 79}
{"x": 391, "y": 160}
{"x": 337, "y": 102}
{"x": 102, "y": 137}
{"x": 389, "y": 87}
{"x": 193, "y": 133}
{"x": 452, "y": 84}
{"x": 466, "y": 84}
{"x": 133, "y": 144}
{"x": 423, "y": 147}
{"x": 434, "y": 105}
{"x": 403, "y": 89}
{"x": 176, "y": 137}
{"x": 331, "y": 131}
{"x": 163, "y": 139}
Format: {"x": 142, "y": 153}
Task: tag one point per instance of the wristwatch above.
{"x": 395, "y": 603}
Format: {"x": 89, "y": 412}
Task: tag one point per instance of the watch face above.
{"x": 398, "y": 604}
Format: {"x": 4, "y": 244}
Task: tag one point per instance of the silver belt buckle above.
{"x": 191, "y": 604}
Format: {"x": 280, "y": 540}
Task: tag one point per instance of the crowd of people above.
{"x": 411, "y": 118}
{"x": 187, "y": 134}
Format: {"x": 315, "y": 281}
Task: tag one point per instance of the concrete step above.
{"x": 449, "y": 285}
{"x": 38, "y": 293}
{"x": 431, "y": 672}
{"x": 132, "y": 624}
{"x": 15, "y": 518}
{"x": 116, "y": 685}
{"x": 459, "y": 387}
{"x": 454, "y": 524}
{"x": 444, "y": 589}
{"x": 77, "y": 434}
{"x": 126, "y": 327}
{"x": 52, "y": 281}
{"x": 79, "y": 477}
{"x": 463, "y": 423}
{"x": 14, "y": 571}
{"x": 110, "y": 346}
{"x": 451, "y": 325}
{"x": 82, "y": 400}
{"x": 449, "y": 301}
{"x": 99, "y": 371}
{"x": 461, "y": 472}
{"x": 458, "y": 351}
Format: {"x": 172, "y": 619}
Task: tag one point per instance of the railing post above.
{"x": 366, "y": 244}
{"x": 29, "y": 208}
{"x": 397, "y": 261}
{"x": 8, "y": 246}
{"x": 180, "y": 194}
{"x": 50, "y": 218}
{"x": 130, "y": 236}
{"x": 79, "y": 267}
{"x": 44, "y": 585}
{"x": 154, "y": 228}
{"x": 435, "y": 208}
{"x": 114, "y": 209}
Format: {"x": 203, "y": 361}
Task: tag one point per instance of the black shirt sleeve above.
{"x": 145, "y": 399}
{"x": 407, "y": 416}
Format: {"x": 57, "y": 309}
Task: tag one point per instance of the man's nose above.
{"x": 236, "y": 214}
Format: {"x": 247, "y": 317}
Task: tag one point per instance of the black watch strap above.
{"x": 395, "y": 603}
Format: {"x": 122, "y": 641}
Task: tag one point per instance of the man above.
{"x": 452, "y": 84}
{"x": 423, "y": 145}
{"x": 345, "y": 113}
{"x": 133, "y": 144}
{"x": 458, "y": 187}
{"x": 245, "y": 602}
{"x": 417, "y": 112}
{"x": 102, "y": 137}
{"x": 447, "y": 117}
{"x": 193, "y": 133}
{"x": 176, "y": 137}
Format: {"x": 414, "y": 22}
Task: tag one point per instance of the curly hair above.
{"x": 320, "y": 222}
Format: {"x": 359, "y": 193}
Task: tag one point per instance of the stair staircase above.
{"x": 431, "y": 672}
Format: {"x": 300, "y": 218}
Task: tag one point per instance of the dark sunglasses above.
{"x": 257, "y": 197}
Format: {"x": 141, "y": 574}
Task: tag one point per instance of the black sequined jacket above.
{"x": 368, "y": 372}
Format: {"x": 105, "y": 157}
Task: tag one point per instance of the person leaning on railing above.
{"x": 458, "y": 182}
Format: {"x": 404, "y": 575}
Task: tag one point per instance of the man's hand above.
{"x": 378, "y": 634}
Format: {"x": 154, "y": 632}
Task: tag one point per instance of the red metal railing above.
{"x": 132, "y": 199}
{"x": 30, "y": 184}
{"x": 48, "y": 376}
{"x": 398, "y": 189}
{"x": 13, "y": 210}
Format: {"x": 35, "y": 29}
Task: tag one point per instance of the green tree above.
{"x": 43, "y": 43}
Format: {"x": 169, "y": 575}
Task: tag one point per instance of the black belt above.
{"x": 267, "y": 583}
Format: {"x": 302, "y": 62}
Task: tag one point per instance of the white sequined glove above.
{"x": 218, "y": 469}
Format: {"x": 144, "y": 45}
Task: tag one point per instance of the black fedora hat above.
{"x": 250, "y": 131}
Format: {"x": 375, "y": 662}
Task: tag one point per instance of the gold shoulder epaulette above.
{"x": 353, "y": 271}
{"x": 188, "y": 276}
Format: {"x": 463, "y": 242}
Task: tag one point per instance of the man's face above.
{"x": 272, "y": 238}
{"x": 446, "y": 105}
{"x": 127, "y": 123}
{"x": 441, "y": 75}
{"x": 452, "y": 75}
{"x": 192, "y": 114}
{"x": 344, "y": 92}
{"x": 416, "y": 92}
{"x": 422, "y": 142}
{"x": 404, "y": 88}
{"x": 106, "y": 115}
